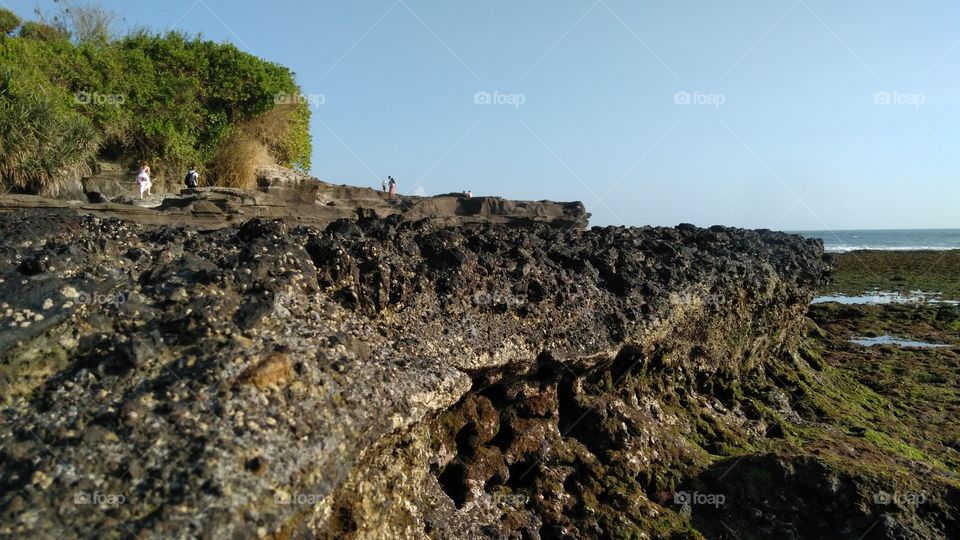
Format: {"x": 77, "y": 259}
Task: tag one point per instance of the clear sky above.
{"x": 785, "y": 114}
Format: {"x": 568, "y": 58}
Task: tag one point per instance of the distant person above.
{"x": 384, "y": 186}
{"x": 192, "y": 180}
{"x": 143, "y": 179}
{"x": 393, "y": 187}
{"x": 469, "y": 194}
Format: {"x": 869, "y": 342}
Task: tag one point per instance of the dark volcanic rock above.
{"x": 382, "y": 377}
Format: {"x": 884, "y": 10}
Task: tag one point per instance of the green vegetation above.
{"x": 896, "y": 401}
{"x": 903, "y": 401}
{"x": 8, "y": 22}
{"x": 864, "y": 271}
{"x": 43, "y": 141}
{"x": 70, "y": 94}
{"x": 38, "y": 31}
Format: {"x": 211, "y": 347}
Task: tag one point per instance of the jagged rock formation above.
{"x": 391, "y": 378}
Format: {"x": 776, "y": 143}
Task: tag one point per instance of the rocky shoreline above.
{"x": 903, "y": 272}
{"x": 295, "y": 198}
{"x": 384, "y": 374}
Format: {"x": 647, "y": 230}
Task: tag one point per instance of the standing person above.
{"x": 393, "y": 187}
{"x": 192, "y": 179}
{"x": 143, "y": 179}
{"x": 384, "y": 186}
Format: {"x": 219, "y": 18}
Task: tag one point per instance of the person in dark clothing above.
{"x": 192, "y": 180}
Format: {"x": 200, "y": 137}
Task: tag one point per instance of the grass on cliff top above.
{"x": 861, "y": 272}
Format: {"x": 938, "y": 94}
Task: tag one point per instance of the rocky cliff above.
{"x": 385, "y": 377}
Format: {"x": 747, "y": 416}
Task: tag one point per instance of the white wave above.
{"x": 847, "y": 249}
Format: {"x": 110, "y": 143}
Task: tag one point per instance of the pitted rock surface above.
{"x": 383, "y": 377}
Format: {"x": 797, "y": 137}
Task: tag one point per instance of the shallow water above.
{"x": 890, "y": 340}
{"x": 883, "y": 297}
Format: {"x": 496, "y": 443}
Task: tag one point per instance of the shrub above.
{"x": 42, "y": 32}
{"x": 45, "y": 148}
{"x": 8, "y": 22}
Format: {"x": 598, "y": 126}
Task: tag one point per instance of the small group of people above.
{"x": 192, "y": 180}
{"x": 390, "y": 184}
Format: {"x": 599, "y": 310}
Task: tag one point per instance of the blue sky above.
{"x": 785, "y": 114}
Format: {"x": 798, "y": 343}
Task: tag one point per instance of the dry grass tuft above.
{"x": 254, "y": 145}
{"x": 237, "y": 161}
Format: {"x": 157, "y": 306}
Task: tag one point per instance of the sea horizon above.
{"x": 841, "y": 241}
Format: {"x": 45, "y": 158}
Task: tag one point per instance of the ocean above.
{"x": 899, "y": 240}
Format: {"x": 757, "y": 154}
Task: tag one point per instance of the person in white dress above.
{"x": 143, "y": 179}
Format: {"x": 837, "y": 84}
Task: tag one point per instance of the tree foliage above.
{"x": 8, "y": 21}
{"x": 172, "y": 100}
{"x": 42, "y": 32}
